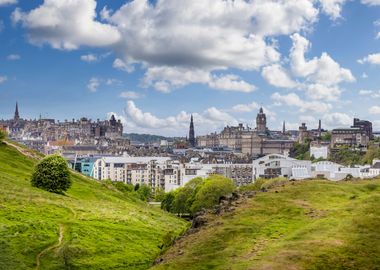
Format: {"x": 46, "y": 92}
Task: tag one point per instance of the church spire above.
{"x": 17, "y": 115}
{"x": 191, "y": 132}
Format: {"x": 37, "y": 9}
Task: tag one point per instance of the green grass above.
{"x": 305, "y": 225}
{"x": 102, "y": 228}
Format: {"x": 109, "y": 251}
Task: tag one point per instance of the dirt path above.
{"x": 23, "y": 151}
{"x": 60, "y": 238}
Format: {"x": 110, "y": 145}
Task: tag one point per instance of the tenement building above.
{"x": 357, "y": 136}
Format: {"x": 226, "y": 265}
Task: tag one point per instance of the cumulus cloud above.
{"x": 373, "y": 59}
{"x": 332, "y": 8}
{"x": 371, "y": 2}
{"x": 336, "y": 119}
{"x": 374, "y": 110}
{"x": 66, "y": 25}
{"x": 323, "y": 92}
{"x": 93, "y": 84}
{"x": 121, "y": 65}
{"x": 277, "y": 76}
{"x": 90, "y": 58}
{"x": 246, "y": 107}
{"x": 13, "y": 57}
{"x": 3, "y": 79}
{"x": 231, "y": 82}
{"x": 323, "y": 70}
{"x": 209, "y": 120}
{"x": 7, "y": 2}
{"x": 294, "y": 100}
{"x": 130, "y": 95}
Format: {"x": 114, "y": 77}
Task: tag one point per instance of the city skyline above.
{"x": 303, "y": 61}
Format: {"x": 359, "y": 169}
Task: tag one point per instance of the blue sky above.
{"x": 154, "y": 64}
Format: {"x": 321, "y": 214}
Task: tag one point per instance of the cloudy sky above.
{"x": 153, "y": 63}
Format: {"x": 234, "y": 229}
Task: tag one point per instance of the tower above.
{"x": 191, "y": 132}
{"x": 17, "y": 115}
{"x": 261, "y": 122}
{"x": 283, "y": 128}
{"x": 319, "y": 128}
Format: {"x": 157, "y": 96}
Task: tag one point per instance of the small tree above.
{"x": 144, "y": 192}
{"x": 3, "y": 134}
{"x": 52, "y": 174}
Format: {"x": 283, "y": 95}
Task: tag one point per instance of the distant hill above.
{"x": 304, "y": 225}
{"x": 91, "y": 227}
{"x": 148, "y": 138}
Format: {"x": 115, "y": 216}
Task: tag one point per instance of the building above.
{"x": 365, "y": 125}
{"x": 192, "y": 141}
{"x": 319, "y": 149}
{"x": 275, "y": 165}
{"x": 351, "y": 137}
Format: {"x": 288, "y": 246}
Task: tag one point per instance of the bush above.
{"x": 3, "y": 135}
{"x": 144, "y": 192}
{"x": 185, "y": 196}
{"x": 125, "y": 188}
{"x": 211, "y": 191}
{"x": 275, "y": 182}
{"x": 52, "y": 174}
{"x": 254, "y": 186}
{"x": 167, "y": 202}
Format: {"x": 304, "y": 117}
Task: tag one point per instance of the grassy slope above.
{"x": 102, "y": 229}
{"x": 306, "y": 225}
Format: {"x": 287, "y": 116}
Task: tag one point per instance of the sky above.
{"x": 154, "y": 63}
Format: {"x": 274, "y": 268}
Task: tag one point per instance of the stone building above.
{"x": 350, "y": 137}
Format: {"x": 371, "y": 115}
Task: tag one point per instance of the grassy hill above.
{"x": 304, "y": 225}
{"x": 91, "y": 227}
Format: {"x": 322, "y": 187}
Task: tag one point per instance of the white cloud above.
{"x": 130, "y": 95}
{"x": 332, "y": 8}
{"x": 374, "y": 110}
{"x": 364, "y": 75}
{"x": 13, "y": 57}
{"x": 334, "y": 120}
{"x": 3, "y": 79}
{"x": 323, "y": 92}
{"x": 294, "y": 100}
{"x": 246, "y": 107}
{"x": 231, "y": 82}
{"x": 93, "y": 84}
{"x": 7, "y": 2}
{"x": 89, "y": 58}
{"x": 323, "y": 70}
{"x": 277, "y": 76}
{"x": 371, "y": 2}
{"x": 66, "y": 25}
{"x": 211, "y": 119}
{"x": 365, "y": 92}
{"x": 371, "y": 59}
{"x": 121, "y": 65}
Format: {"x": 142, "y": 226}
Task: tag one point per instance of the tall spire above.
{"x": 17, "y": 115}
{"x": 191, "y": 132}
{"x": 319, "y": 128}
{"x": 283, "y": 128}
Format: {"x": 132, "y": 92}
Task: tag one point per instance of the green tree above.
{"x": 144, "y": 192}
{"x": 52, "y": 174}
{"x": 185, "y": 196}
{"x": 211, "y": 191}
{"x": 3, "y": 135}
{"x": 167, "y": 202}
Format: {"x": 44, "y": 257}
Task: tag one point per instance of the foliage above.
{"x": 301, "y": 151}
{"x": 3, "y": 135}
{"x": 102, "y": 227}
{"x": 254, "y": 186}
{"x": 52, "y": 174}
{"x": 144, "y": 192}
{"x": 274, "y": 182}
{"x": 305, "y": 225}
{"x": 167, "y": 202}
{"x": 159, "y": 194}
{"x": 371, "y": 154}
{"x": 185, "y": 196}
{"x": 211, "y": 191}
{"x": 346, "y": 156}
{"x": 125, "y": 188}
{"x": 326, "y": 137}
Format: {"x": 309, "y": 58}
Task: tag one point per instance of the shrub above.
{"x": 3, "y": 135}
{"x": 254, "y": 186}
{"x": 275, "y": 182}
{"x": 211, "y": 191}
{"x": 167, "y": 203}
{"x": 185, "y": 196}
{"x": 125, "y": 188}
{"x": 52, "y": 174}
{"x": 144, "y": 192}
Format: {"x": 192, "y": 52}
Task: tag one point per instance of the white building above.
{"x": 276, "y": 165}
{"x": 319, "y": 151}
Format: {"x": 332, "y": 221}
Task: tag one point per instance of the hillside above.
{"x": 304, "y": 225}
{"x": 91, "y": 227}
